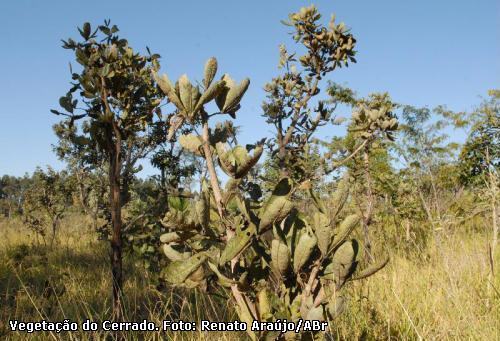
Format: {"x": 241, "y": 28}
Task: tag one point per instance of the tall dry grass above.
{"x": 442, "y": 297}
{"x": 439, "y": 295}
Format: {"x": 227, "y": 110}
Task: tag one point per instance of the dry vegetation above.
{"x": 439, "y": 295}
{"x": 264, "y": 231}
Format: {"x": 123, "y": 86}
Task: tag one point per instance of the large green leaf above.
{"x": 210, "y": 71}
{"x": 344, "y": 230}
{"x": 169, "y": 90}
{"x": 303, "y": 251}
{"x": 237, "y": 244}
{"x": 191, "y": 143}
{"x": 173, "y": 254}
{"x": 235, "y": 94}
{"x": 323, "y": 231}
{"x": 280, "y": 256}
{"x": 177, "y": 271}
{"x": 340, "y": 195}
{"x": 372, "y": 269}
{"x": 246, "y": 162}
{"x": 277, "y": 206}
{"x": 170, "y": 237}
{"x": 185, "y": 93}
{"x": 209, "y": 94}
{"x": 343, "y": 263}
{"x": 223, "y": 280}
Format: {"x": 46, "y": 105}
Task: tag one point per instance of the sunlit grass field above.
{"x": 440, "y": 292}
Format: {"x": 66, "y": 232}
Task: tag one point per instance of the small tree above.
{"x": 484, "y": 136}
{"x": 292, "y": 104}
{"x": 46, "y": 202}
{"x": 423, "y": 148}
{"x": 12, "y": 191}
{"x": 176, "y": 166}
{"x": 373, "y": 121}
{"x": 480, "y": 163}
{"x": 279, "y": 261}
{"x": 87, "y": 167}
{"x": 118, "y": 101}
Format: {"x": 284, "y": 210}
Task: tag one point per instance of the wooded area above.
{"x": 387, "y": 230}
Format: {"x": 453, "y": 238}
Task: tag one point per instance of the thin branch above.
{"x": 353, "y": 154}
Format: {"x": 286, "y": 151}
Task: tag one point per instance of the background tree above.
{"x": 175, "y": 165}
{"x": 87, "y": 167}
{"x": 481, "y": 151}
{"x": 12, "y": 191}
{"x": 479, "y": 162}
{"x": 373, "y": 123}
{"x": 292, "y": 105}
{"x": 141, "y": 224}
{"x": 46, "y": 201}
{"x": 117, "y": 100}
{"x": 423, "y": 148}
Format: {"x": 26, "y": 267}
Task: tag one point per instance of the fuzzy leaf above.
{"x": 166, "y": 86}
{"x": 303, "y": 251}
{"x": 295, "y": 307}
{"x": 210, "y": 71}
{"x": 306, "y": 305}
{"x": 177, "y": 271}
{"x": 372, "y": 269}
{"x": 335, "y": 306}
{"x": 197, "y": 276}
{"x": 340, "y": 196}
{"x": 237, "y": 244}
{"x": 195, "y": 97}
{"x": 221, "y": 97}
{"x": 323, "y": 231}
{"x": 209, "y": 94}
{"x": 248, "y": 162}
{"x": 240, "y": 154}
{"x": 228, "y": 100}
{"x": 264, "y": 305}
{"x": 317, "y": 201}
{"x": 280, "y": 256}
{"x": 223, "y": 280}
{"x": 343, "y": 263}
{"x": 316, "y": 314}
{"x": 226, "y": 158}
{"x": 345, "y": 230}
{"x": 170, "y": 237}
{"x": 277, "y": 206}
{"x": 234, "y": 95}
{"x": 191, "y": 143}
{"x": 173, "y": 254}
{"x": 185, "y": 93}
{"x": 203, "y": 206}
{"x": 244, "y": 315}
{"x": 237, "y": 162}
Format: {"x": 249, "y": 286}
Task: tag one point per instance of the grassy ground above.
{"x": 440, "y": 294}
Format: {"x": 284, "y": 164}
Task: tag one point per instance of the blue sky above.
{"x": 423, "y": 53}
